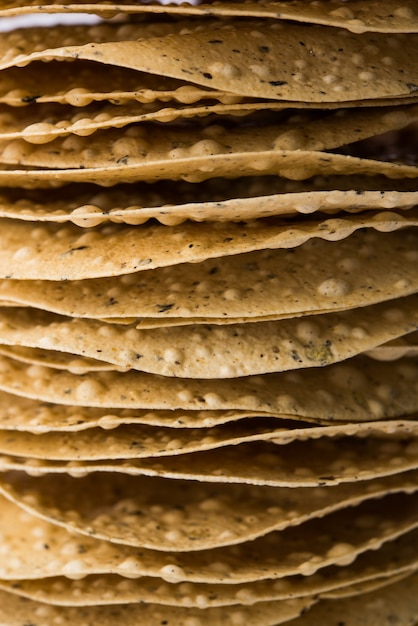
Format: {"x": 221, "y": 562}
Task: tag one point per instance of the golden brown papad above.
{"x": 278, "y": 554}
{"x": 251, "y": 58}
{"x": 56, "y": 252}
{"x": 287, "y": 130}
{"x": 150, "y": 153}
{"x": 86, "y": 82}
{"x": 17, "y": 413}
{"x": 296, "y": 165}
{"x": 300, "y": 130}
{"x": 182, "y": 516}
{"x": 136, "y": 441}
{"x": 276, "y": 467}
{"x": 212, "y": 351}
{"x": 394, "y": 558}
{"x": 266, "y": 614}
{"x": 359, "y": 17}
{"x": 172, "y": 203}
{"x": 347, "y": 392}
{"x": 278, "y": 283}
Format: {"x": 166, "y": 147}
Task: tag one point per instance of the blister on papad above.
{"x": 172, "y": 203}
{"x": 276, "y": 555}
{"x": 56, "y": 252}
{"x": 212, "y": 351}
{"x": 252, "y": 59}
{"x": 180, "y": 516}
{"x": 359, "y": 17}
{"x": 316, "y": 277}
{"x": 378, "y": 607}
{"x": 394, "y": 558}
{"x": 360, "y": 390}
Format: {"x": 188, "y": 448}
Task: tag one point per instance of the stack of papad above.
{"x": 209, "y": 314}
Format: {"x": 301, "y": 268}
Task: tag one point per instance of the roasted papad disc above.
{"x": 135, "y": 441}
{"x": 278, "y": 283}
{"x": 212, "y": 351}
{"x": 251, "y": 58}
{"x": 86, "y": 83}
{"x": 278, "y": 554}
{"x": 301, "y": 464}
{"x": 294, "y": 165}
{"x": 182, "y": 516}
{"x": 308, "y": 130}
{"x": 172, "y": 203}
{"x": 16, "y": 609}
{"x": 290, "y": 130}
{"x": 56, "y": 252}
{"x": 346, "y": 392}
{"x": 139, "y": 153}
{"x": 361, "y": 16}
{"x": 27, "y": 415}
{"x": 394, "y": 558}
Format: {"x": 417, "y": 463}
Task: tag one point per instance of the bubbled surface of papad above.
{"x": 209, "y": 313}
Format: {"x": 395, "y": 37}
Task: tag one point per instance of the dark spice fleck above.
{"x": 162, "y": 308}
{"x": 29, "y": 99}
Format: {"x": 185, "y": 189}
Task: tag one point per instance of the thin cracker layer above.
{"x": 394, "y": 558}
{"x": 252, "y": 60}
{"x": 277, "y": 555}
{"x": 361, "y": 16}
{"x": 278, "y": 283}
{"x": 213, "y": 351}
{"x": 182, "y": 516}
{"x": 344, "y": 392}
{"x": 55, "y": 252}
{"x": 173, "y": 203}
